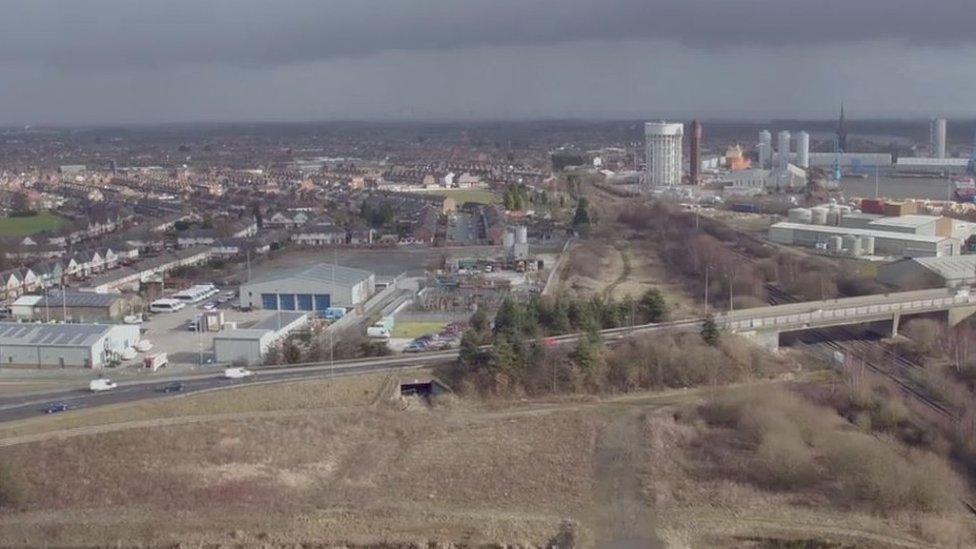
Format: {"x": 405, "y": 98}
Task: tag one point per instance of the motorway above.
{"x": 777, "y": 317}
{"x": 24, "y": 406}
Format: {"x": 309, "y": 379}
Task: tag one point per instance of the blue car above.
{"x": 56, "y": 407}
{"x": 175, "y": 387}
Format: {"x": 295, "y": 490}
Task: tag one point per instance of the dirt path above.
{"x": 624, "y": 521}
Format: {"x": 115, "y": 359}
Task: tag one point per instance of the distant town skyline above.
{"x": 152, "y": 61}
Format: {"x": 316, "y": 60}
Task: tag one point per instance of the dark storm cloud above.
{"x": 115, "y": 34}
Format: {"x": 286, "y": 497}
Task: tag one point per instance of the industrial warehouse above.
{"x": 313, "y": 288}
{"x": 839, "y": 229}
{"x": 69, "y": 305}
{"x": 250, "y": 345}
{"x": 62, "y": 345}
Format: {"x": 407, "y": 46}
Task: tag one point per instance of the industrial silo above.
{"x": 833, "y": 217}
{"x": 509, "y": 240}
{"x": 818, "y": 215}
{"x": 834, "y": 244}
{"x": 851, "y": 244}
{"x": 867, "y": 245}
{"x": 522, "y": 234}
{"x": 799, "y": 215}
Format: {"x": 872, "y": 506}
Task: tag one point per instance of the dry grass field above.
{"x": 290, "y": 464}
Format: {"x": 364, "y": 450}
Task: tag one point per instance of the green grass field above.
{"x": 20, "y": 226}
{"x": 480, "y": 196}
{"x": 412, "y": 330}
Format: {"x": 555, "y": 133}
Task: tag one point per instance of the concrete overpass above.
{"x": 766, "y": 323}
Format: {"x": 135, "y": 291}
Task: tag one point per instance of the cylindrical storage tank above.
{"x": 508, "y": 240}
{"x": 851, "y": 244}
{"x": 834, "y": 244}
{"x": 799, "y": 215}
{"x": 867, "y": 245}
{"x": 833, "y": 217}
{"x": 521, "y": 234}
{"x": 818, "y": 215}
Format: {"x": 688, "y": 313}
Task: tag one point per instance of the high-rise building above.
{"x": 694, "y": 160}
{"x": 782, "y": 150}
{"x": 937, "y": 137}
{"x": 803, "y": 150}
{"x": 662, "y": 149}
{"x": 765, "y": 150}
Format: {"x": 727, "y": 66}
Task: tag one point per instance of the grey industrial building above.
{"x": 70, "y": 305}
{"x": 314, "y": 288}
{"x": 250, "y": 345}
{"x": 85, "y": 345}
{"x": 918, "y": 272}
{"x": 886, "y": 242}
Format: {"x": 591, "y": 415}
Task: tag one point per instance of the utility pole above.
{"x": 706, "y": 289}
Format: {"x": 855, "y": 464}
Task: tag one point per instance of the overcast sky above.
{"x": 110, "y": 61}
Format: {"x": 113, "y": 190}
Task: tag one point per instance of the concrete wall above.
{"x": 247, "y": 351}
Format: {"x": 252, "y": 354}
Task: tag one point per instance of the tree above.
{"x": 652, "y": 306}
{"x": 20, "y": 204}
{"x": 581, "y": 218}
{"x": 508, "y": 321}
{"x": 709, "y": 332}
{"x": 479, "y": 321}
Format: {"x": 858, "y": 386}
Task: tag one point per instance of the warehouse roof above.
{"x": 282, "y": 319}
{"x": 909, "y": 221}
{"x": 16, "y": 333}
{"x": 323, "y": 272}
{"x": 841, "y": 231}
{"x": 77, "y": 299}
{"x": 956, "y": 267}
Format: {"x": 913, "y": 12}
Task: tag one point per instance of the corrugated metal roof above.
{"x": 910, "y": 221}
{"x": 322, "y": 272}
{"x": 951, "y": 267}
{"x": 832, "y": 230}
{"x": 77, "y": 299}
{"x": 14, "y": 333}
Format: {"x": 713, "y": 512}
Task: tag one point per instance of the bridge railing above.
{"x": 853, "y": 314}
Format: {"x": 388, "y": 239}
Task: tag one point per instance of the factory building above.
{"x": 63, "y": 345}
{"x": 765, "y": 150}
{"x": 250, "y": 345}
{"x": 937, "y": 138}
{"x": 850, "y": 161}
{"x": 856, "y": 242}
{"x": 782, "y": 150}
{"x": 662, "y": 148}
{"x": 73, "y": 306}
{"x": 916, "y": 272}
{"x": 803, "y": 150}
{"x": 314, "y": 288}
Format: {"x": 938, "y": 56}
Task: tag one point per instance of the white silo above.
{"x": 508, "y": 240}
{"x": 852, "y": 244}
{"x": 818, "y": 215}
{"x": 521, "y": 234}
{"x": 765, "y": 149}
{"x": 833, "y": 217}
{"x": 867, "y": 245}
{"x": 803, "y": 150}
{"x": 799, "y": 215}
{"x": 783, "y": 149}
{"x": 835, "y": 244}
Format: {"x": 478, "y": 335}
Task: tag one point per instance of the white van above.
{"x": 99, "y": 385}
{"x": 166, "y": 305}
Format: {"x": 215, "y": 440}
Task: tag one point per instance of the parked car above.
{"x": 101, "y": 384}
{"x": 237, "y": 373}
{"x": 56, "y": 408}
{"x": 415, "y": 348}
{"x": 175, "y": 387}
{"x": 209, "y": 306}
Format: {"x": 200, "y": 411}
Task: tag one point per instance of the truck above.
{"x": 155, "y": 361}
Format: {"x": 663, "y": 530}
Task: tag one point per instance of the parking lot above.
{"x": 170, "y": 333}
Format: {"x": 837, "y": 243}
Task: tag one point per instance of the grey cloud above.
{"x": 147, "y": 34}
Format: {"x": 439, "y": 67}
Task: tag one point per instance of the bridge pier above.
{"x": 959, "y": 314}
{"x": 895, "y": 321}
{"x": 768, "y": 340}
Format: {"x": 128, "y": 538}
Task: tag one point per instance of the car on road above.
{"x": 237, "y": 373}
{"x": 175, "y": 387}
{"x": 415, "y": 348}
{"x": 101, "y": 384}
{"x": 56, "y": 408}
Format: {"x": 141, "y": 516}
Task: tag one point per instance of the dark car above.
{"x": 56, "y": 407}
{"x": 175, "y": 387}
